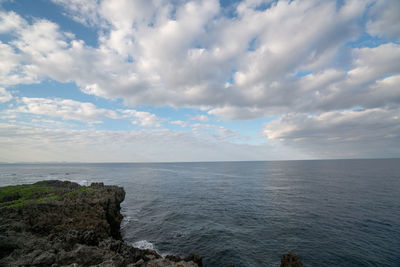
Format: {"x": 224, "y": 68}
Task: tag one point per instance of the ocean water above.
{"x": 332, "y": 213}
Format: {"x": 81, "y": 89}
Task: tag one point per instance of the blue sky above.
{"x": 133, "y": 81}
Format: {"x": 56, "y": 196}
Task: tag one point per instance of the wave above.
{"x": 143, "y": 244}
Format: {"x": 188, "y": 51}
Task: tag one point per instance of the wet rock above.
{"x": 291, "y": 260}
{"x": 195, "y": 258}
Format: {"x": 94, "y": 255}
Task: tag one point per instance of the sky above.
{"x": 161, "y": 81}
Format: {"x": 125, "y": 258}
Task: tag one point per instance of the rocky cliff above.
{"x": 55, "y": 223}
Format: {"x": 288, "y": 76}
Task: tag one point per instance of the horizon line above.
{"x": 166, "y": 162}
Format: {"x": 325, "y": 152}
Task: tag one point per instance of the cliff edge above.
{"x": 56, "y": 223}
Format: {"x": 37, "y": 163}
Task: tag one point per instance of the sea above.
{"x": 329, "y": 212}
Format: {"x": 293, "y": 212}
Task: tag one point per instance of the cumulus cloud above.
{"x": 365, "y": 84}
{"x": 65, "y": 109}
{"x": 10, "y": 21}
{"x": 68, "y": 109}
{"x": 372, "y": 81}
{"x": 4, "y": 95}
{"x": 298, "y": 61}
{"x": 374, "y": 63}
{"x": 191, "y": 54}
{"x": 385, "y": 19}
{"x": 141, "y": 117}
{"x": 12, "y": 70}
{"x": 85, "y": 12}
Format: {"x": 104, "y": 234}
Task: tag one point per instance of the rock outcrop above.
{"x": 55, "y": 223}
{"x": 291, "y": 260}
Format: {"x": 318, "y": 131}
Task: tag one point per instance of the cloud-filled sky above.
{"x": 204, "y": 80}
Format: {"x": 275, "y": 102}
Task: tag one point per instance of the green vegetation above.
{"x": 20, "y": 195}
{"x": 47, "y": 198}
{"x": 16, "y": 196}
{"x": 22, "y": 191}
{"x": 80, "y": 190}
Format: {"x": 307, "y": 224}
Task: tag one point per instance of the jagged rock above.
{"x": 44, "y": 259}
{"x": 55, "y": 223}
{"x": 173, "y": 258}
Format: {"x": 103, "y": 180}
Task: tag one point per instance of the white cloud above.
{"x": 179, "y": 123}
{"x": 384, "y": 92}
{"x": 68, "y": 109}
{"x": 4, "y": 95}
{"x": 385, "y": 19}
{"x": 202, "y": 118}
{"x": 82, "y": 11}
{"x": 11, "y": 69}
{"x": 371, "y": 82}
{"x": 141, "y": 117}
{"x": 291, "y": 57}
{"x": 363, "y": 84}
{"x": 65, "y": 109}
{"x": 183, "y": 54}
{"x": 10, "y": 21}
{"x": 238, "y": 113}
{"x": 374, "y": 63}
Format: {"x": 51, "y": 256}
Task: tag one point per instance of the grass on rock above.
{"x": 20, "y": 195}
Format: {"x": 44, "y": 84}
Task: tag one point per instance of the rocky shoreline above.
{"x": 60, "y": 223}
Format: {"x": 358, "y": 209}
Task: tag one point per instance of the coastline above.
{"x": 61, "y": 223}
{"x": 55, "y": 223}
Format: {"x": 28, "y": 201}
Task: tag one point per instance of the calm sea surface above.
{"x": 332, "y": 213}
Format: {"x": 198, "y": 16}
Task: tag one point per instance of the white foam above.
{"x": 143, "y": 244}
